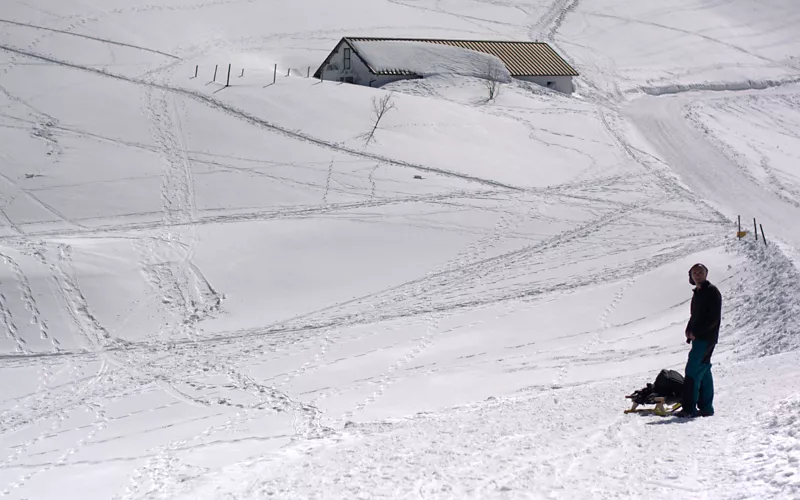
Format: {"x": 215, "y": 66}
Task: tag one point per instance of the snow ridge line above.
{"x": 765, "y": 311}
{"x": 678, "y": 88}
{"x": 247, "y": 117}
{"x": 104, "y": 40}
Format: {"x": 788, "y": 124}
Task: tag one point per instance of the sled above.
{"x": 666, "y": 393}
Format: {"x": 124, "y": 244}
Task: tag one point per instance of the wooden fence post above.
{"x": 196, "y": 69}
{"x": 755, "y": 228}
{"x": 275, "y": 74}
{"x": 216, "y": 66}
{"x": 762, "y": 235}
{"x": 229, "y": 76}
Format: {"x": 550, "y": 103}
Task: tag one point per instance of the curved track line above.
{"x": 104, "y": 40}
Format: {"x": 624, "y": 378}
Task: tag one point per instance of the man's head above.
{"x": 698, "y": 274}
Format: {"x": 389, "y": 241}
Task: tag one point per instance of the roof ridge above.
{"x": 380, "y": 38}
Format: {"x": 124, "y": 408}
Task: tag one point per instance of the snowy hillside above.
{"x": 226, "y": 292}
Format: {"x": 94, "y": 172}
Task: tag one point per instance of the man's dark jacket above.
{"x": 706, "y": 314}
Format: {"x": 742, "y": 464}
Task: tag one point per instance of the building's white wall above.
{"x": 560, "y": 83}
{"x": 335, "y": 70}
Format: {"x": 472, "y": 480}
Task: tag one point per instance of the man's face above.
{"x": 698, "y": 274}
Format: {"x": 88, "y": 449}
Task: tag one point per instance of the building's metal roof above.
{"x": 521, "y": 58}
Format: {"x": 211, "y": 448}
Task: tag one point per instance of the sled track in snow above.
{"x": 247, "y": 117}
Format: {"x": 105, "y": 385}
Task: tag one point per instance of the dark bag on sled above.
{"x": 669, "y": 384}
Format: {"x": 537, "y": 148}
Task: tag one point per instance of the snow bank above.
{"x": 765, "y": 305}
{"x": 426, "y": 59}
{"x": 677, "y": 88}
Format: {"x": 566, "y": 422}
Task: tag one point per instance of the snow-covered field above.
{"x": 211, "y": 292}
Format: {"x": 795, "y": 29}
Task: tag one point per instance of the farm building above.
{"x": 377, "y": 61}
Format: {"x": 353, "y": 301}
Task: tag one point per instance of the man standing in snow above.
{"x": 703, "y": 332}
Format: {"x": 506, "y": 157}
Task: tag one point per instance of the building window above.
{"x": 347, "y": 53}
{"x": 348, "y": 79}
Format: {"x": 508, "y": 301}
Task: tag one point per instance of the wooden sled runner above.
{"x": 663, "y": 406}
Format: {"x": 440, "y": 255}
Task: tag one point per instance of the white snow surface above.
{"x": 223, "y": 292}
{"x": 430, "y": 59}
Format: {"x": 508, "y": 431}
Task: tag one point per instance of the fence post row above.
{"x": 740, "y": 234}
